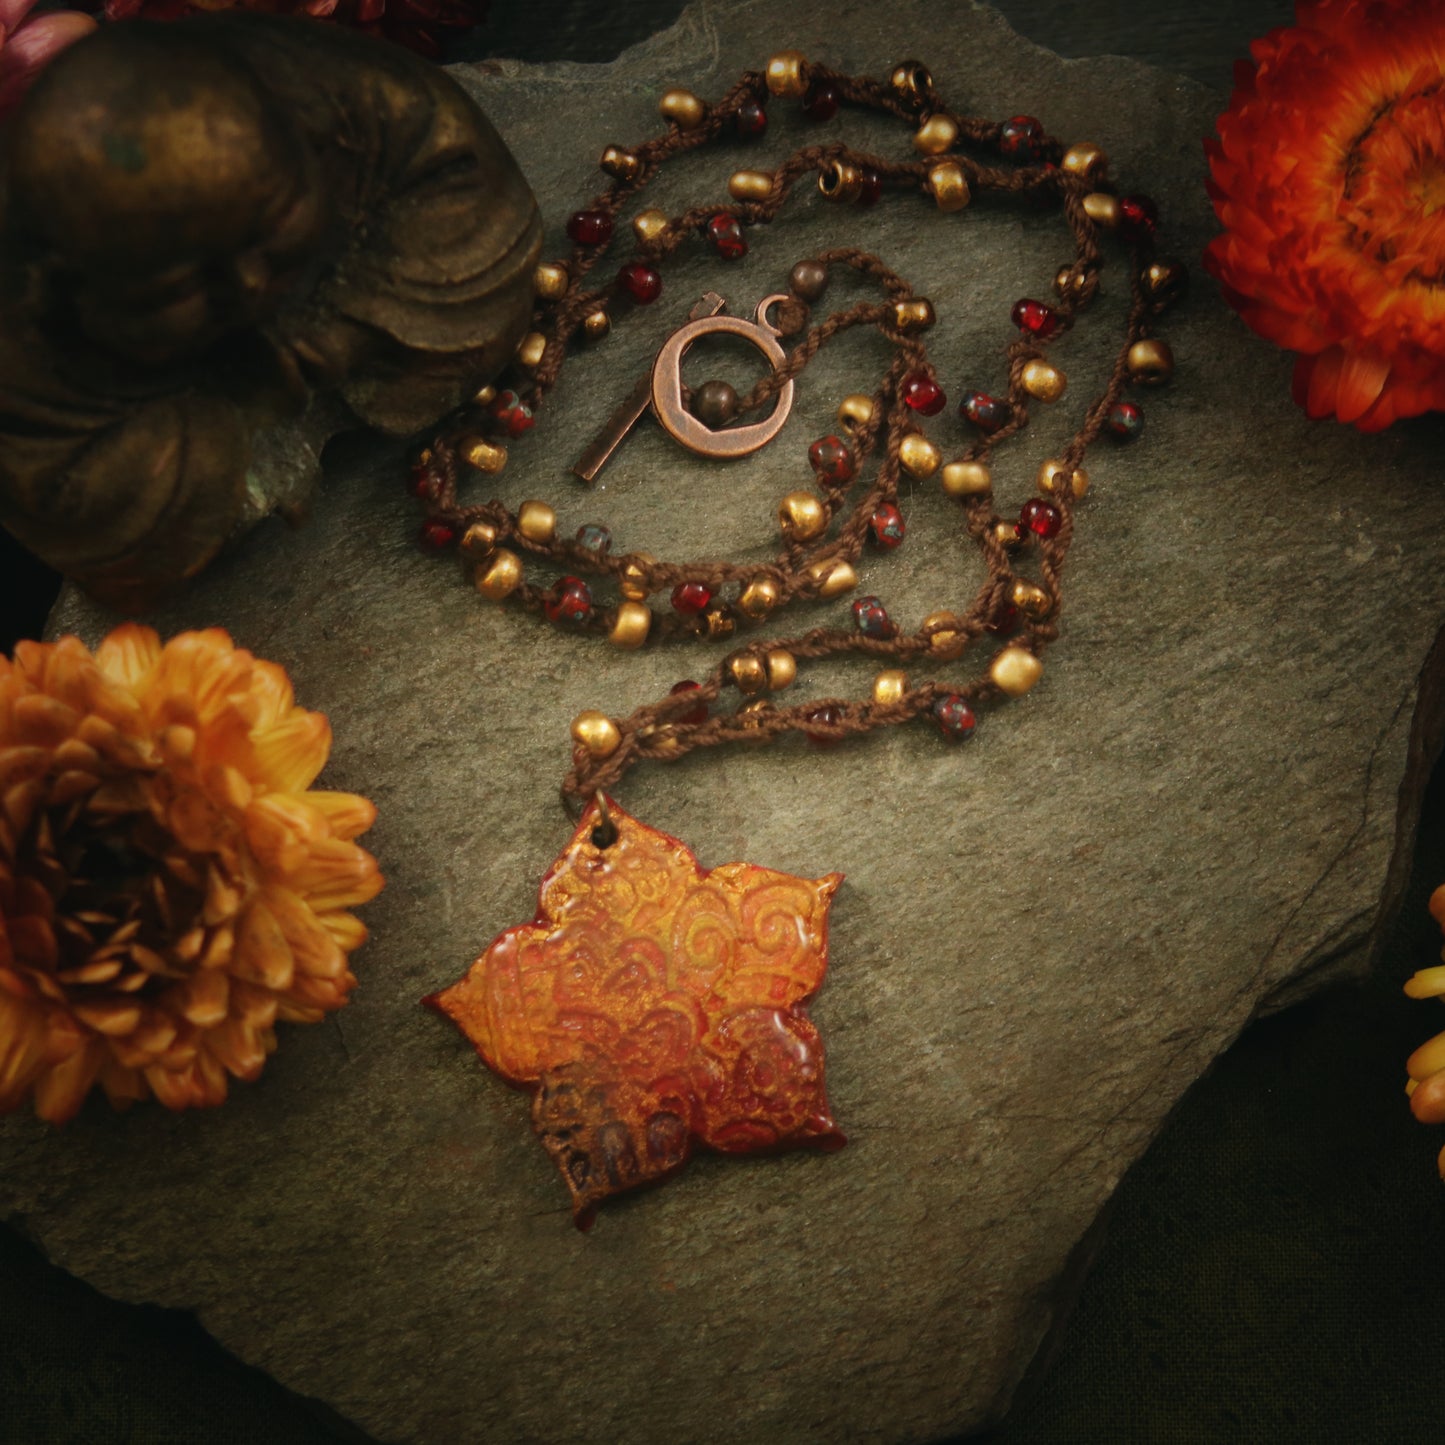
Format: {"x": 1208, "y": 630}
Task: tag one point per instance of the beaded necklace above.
{"x": 652, "y": 1004}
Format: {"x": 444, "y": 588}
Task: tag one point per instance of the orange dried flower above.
{"x": 169, "y": 887}
{"x": 1329, "y": 178}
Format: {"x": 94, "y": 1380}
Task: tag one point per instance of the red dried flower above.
{"x": 1329, "y": 178}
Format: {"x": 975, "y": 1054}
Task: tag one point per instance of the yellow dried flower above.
{"x": 169, "y": 886}
{"x": 1426, "y": 1066}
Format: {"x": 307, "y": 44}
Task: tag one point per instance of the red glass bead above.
{"x": 727, "y": 236}
{"x": 589, "y": 228}
{"x": 830, "y": 715}
{"x": 886, "y": 525}
{"x": 569, "y": 600}
{"x": 923, "y": 394}
{"x": 695, "y": 715}
{"x": 436, "y": 536}
{"x": 1041, "y": 518}
{"x": 641, "y": 282}
{"x": 1126, "y": 420}
{"x": 424, "y": 481}
{"x": 954, "y": 717}
{"x": 1004, "y": 620}
{"x": 1019, "y": 138}
{"x": 750, "y": 119}
{"x": 833, "y": 461}
{"x": 872, "y": 620}
{"x": 820, "y": 100}
{"x": 513, "y": 413}
{"x": 691, "y": 598}
{"x": 1138, "y": 217}
{"x": 871, "y": 189}
{"x": 1036, "y": 318}
{"x": 986, "y": 412}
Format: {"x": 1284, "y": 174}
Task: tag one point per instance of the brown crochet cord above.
{"x": 655, "y": 732}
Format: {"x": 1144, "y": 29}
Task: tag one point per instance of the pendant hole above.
{"x": 604, "y": 835}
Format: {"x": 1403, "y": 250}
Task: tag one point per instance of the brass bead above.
{"x": 530, "y": 350}
{"x": 855, "y": 412}
{"x": 802, "y": 517}
{"x": 786, "y": 73}
{"x": 1006, "y": 534}
{"x": 632, "y": 578}
{"x": 808, "y": 280}
{"x": 597, "y": 733}
{"x": 719, "y": 622}
{"x": 484, "y": 455}
{"x": 918, "y": 456}
{"x": 911, "y": 82}
{"x": 596, "y": 325}
{"x": 966, "y": 479}
{"x": 647, "y": 226}
{"x": 1150, "y": 361}
{"x": 1102, "y": 209}
{"x": 632, "y": 624}
{"x": 946, "y": 640}
{"x": 755, "y": 713}
{"x": 625, "y": 165}
{"x": 715, "y": 403}
{"x": 1164, "y": 282}
{"x": 685, "y": 110}
{"x": 749, "y": 673}
{"x": 1043, "y": 381}
{"x": 1052, "y": 473}
{"x": 915, "y": 314}
{"x": 479, "y": 541}
{"x": 501, "y": 576}
{"x": 935, "y": 135}
{"x": 833, "y": 578}
{"x": 838, "y": 181}
{"x": 782, "y": 669}
{"x": 484, "y": 395}
{"x": 949, "y": 186}
{"x": 1030, "y": 598}
{"x": 1085, "y": 160}
{"x": 550, "y": 281}
{"x": 662, "y": 736}
{"x": 537, "y": 522}
{"x": 1072, "y": 281}
{"x": 889, "y": 687}
{"x": 750, "y": 185}
{"x": 1015, "y": 670}
{"x": 758, "y": 598}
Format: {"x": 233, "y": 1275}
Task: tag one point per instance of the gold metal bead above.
{"x": 749, "y": 673}
{"x": 750, "y": 185}
{"x": 833, "y": 578}
{"x": 1053, "y": 473}
{"x": 684, "y": 109}
{"x": 967, "y": 479}
{"x": 1150, "y": 361}
{"x": 479, "y": 541}
{"x": 1043, "y": 381}
{"x": 626, "y": 165}
{"x": 1085, "y": 160}
{"x": 632, "y": 624}
{"x": 935, "y": 135}
{"x": 1164, "y": 281}
{"x": 782, "y": 669}
{"x": 632, "y": 578}
{"x": 838, "y": 181}
{"x": 786, "y": 73}
{"x": 759, "y": 598}
{"x": 890, "y": 687}
{"x": 915, "y": 314}
{"x": 918, "y": 456}
{"x": 755, "y": 713}
{"x": 647, "y": 226}
{"x": 1102, "y": 209}
{"x": 855, "y": 412}
{"x": 719, "y": 622}
{"x": 1006, "y": 534}
{"x": 537, "y": 522}
{"x": 1072, "y": 281}
{"x": 550, "y": 281}
{"x": 662, "y": 736}
{"x": 802, "y": 517}
{"x": 1015, "y": 670}
{"x": 530, "y": 350}
{"x": 596, "y": 325}
{"x": 485, "y": 456}
{"x": 597, "y": 733}
{"x": 949, "y": 186}
{"x": 946, "y": 640}
{"x": 1030, "y": 598}
{"x": 484, "y": 395}
{"x": 911, "y": 82}
{"x": 501, "y": 576}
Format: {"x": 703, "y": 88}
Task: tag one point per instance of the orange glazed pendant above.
{"x": 653, "y": 1003}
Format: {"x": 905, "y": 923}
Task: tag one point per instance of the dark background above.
{"x": 1273, "y": 1269}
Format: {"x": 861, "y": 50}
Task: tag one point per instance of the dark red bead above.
{"x": 832, "y": 460}
{"x": 1036, "y": 318}
{"x": 727, "y": 236}
{"x": 750, "y": 119}
{"x": 589, "y": 228}
{"x": 872, "y": 620}
{"x": 829, "y": 715}
{"x": 1126, "y": 420}
{"x": 871, "y": 190}
{"x": 954, "y": 717}
{"x": 436, "y": 536}
{"x": 1004, "y": 620}
{"x": 693, "y": 716}
{"x": 641, "y": 282}
{"x": 691, "y": 598}
{"x": 1019, "y": 138}
{"x": 1138, "y": 218}
{"x": 986, "y": 412}
{"x": 886, "y": 525}
{"x": 424, "y": 481}
{"x": 513, "y": 413}
{"x": 568, "y": 600}
{"x": 1041, "y": 518}
{"x": 923, "y": 394}
{"x": 820, "y": 100}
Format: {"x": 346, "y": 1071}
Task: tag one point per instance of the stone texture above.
{"x": 1044, "y": 937}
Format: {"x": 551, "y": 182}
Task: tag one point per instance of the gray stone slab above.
{"x": 1044, "y": 937}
